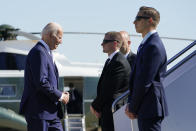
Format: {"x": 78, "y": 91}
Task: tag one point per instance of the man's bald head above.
{"x": 51, "y": 28}
{"x": 52, "y": 35}
{"x": 125, "y": 48}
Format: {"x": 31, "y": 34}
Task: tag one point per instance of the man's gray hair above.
{"x": 51, "y": 28}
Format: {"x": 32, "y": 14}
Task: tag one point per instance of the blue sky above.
{"x": 178, "y": 19}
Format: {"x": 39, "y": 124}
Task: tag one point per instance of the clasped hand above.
{"x": 93, "y": 111}
{"x": 130, "y": 114}
{"x": 65, "y": 97}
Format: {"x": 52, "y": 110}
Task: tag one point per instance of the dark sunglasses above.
{"x": 107, "y": 41}
{"x": 138, "y": 18}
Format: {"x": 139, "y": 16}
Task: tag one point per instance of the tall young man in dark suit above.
{"x": 113, "y": 81}
{"x": 41, "y": 98}
{"x": 147, "y": 100}
{"x": 126, "y": 49}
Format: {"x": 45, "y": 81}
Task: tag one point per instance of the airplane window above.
{"x": 7, "y": 90}
{"x": 11, "y": 61}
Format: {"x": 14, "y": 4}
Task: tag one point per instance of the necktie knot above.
{"x": 107, "y": 61}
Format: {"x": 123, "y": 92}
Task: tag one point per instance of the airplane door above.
{"x": 74, "y": 85}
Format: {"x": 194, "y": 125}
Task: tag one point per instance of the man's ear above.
{"x": 129, "y": 42}
{"x": 150, "y": 20}
{"x": 115, "y": 43}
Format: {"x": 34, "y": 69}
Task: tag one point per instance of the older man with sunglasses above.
{"x": 147, "y": 100}
{"x": 113, "y": 81}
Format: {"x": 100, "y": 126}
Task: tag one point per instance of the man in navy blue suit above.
{"x": 41, "y": 100}
{"x": 147, "y": 100}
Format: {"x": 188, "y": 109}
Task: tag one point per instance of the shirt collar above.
{"x": 46, "y": 46}
{"x": 112, "y": 55}
{"x": 126, "y": 55}
{"x": 147, "y": 36}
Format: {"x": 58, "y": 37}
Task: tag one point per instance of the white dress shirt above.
{"x": 147, "y": 36}
{"x": 126, "y": 55}
{"x": 112, "y": 55}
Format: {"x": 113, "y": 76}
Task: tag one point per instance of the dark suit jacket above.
{"x": 147, "y": 96}
{"x": 112, "y": 83}
{"x": 41, "y": 95}
{"x": 131, "y": 59}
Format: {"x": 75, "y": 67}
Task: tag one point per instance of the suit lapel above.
{"x": 50, "y": 60}
{"x": 106, "y": 68}
{"x": 113, "y": 59}
{"x": 57, "y": 74}
{"x": 142, "y": 49}
{"x": 139, "y": 54}
{"x": 56, "y": 70}
{"x": 146, "y": 42}
{"x": 45, "y": 50}
{"x": 103, "y": 71}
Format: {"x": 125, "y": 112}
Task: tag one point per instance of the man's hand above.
{"x": 130, "y": 114}
{"x": 93, "y": 111}
{"x": 65, "y": 97}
